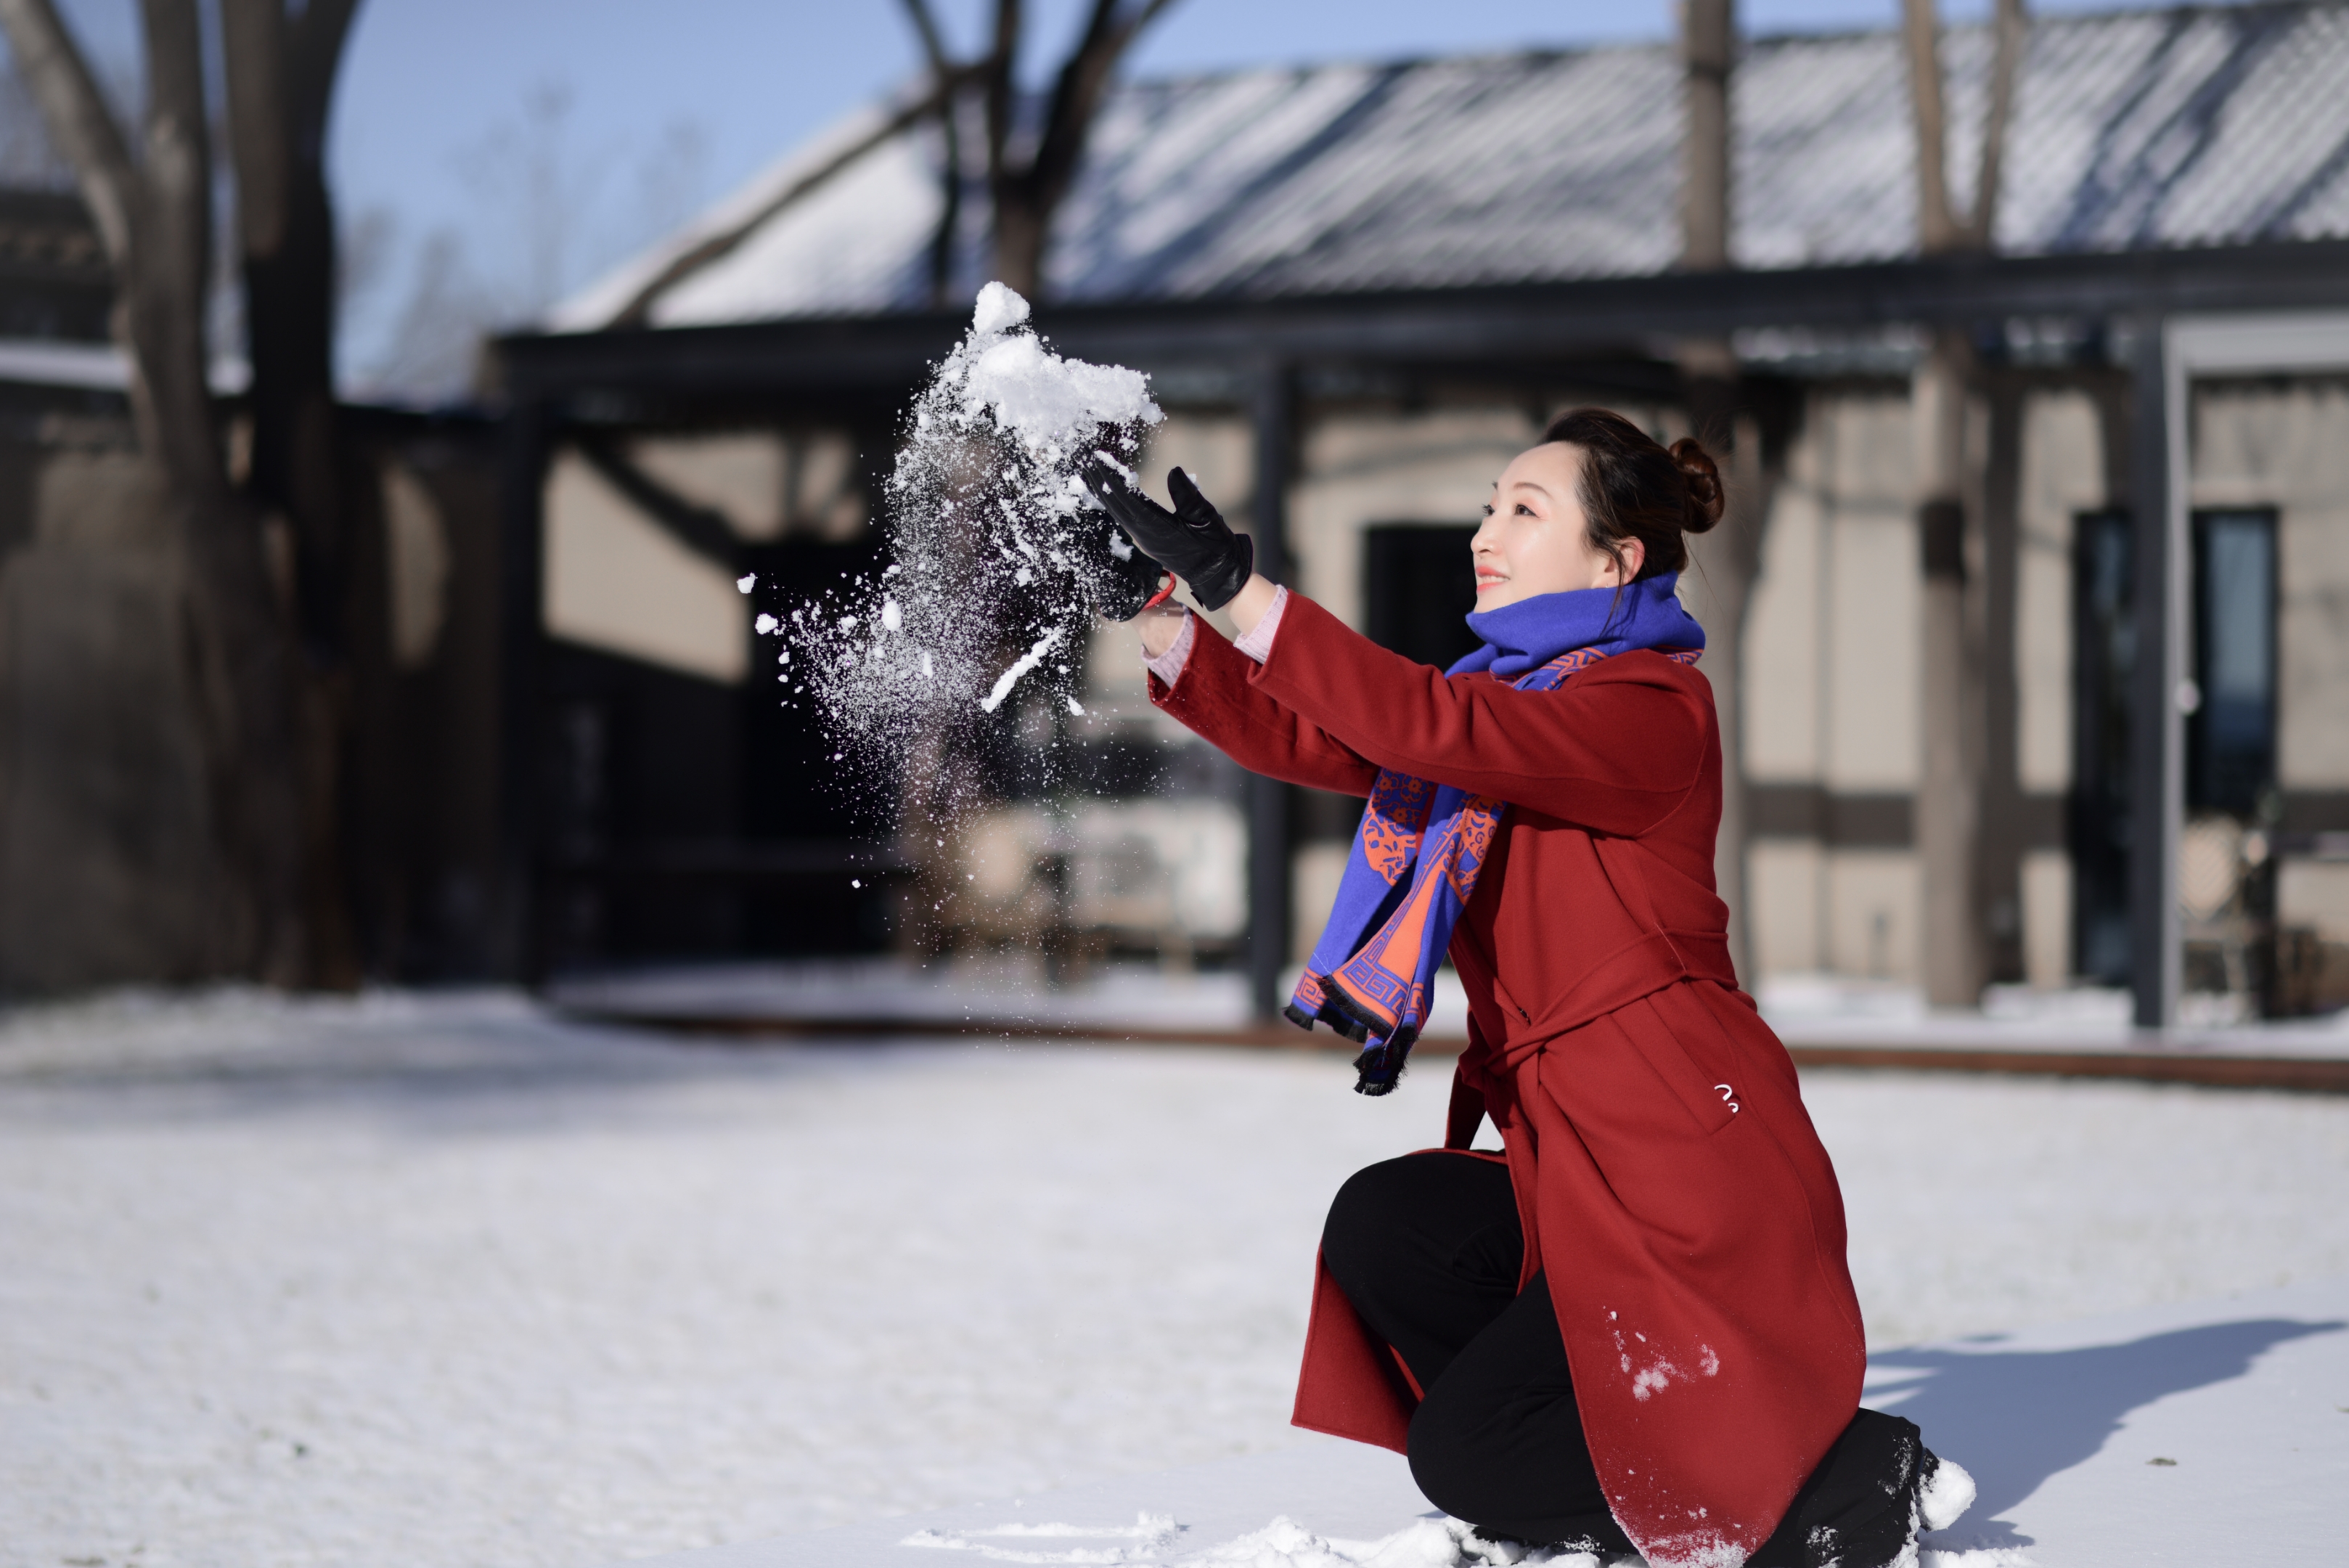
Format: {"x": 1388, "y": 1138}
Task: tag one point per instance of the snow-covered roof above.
{"x": 2182, "y": 128}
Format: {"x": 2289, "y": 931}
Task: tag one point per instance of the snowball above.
{"x": 1043, "y": 398}
{"x": 1000, "y": 310}
{"x": 747, "y": 581}
{"x": 765, "y": 625}
{"x": 892, "y": 617}
{"x": 1945, "y": 1497}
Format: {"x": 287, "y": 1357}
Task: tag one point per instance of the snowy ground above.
{"x": 427, "y": 1281}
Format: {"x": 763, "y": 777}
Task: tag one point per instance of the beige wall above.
{"x": 2063, "y": 477}
{"x": 1831, "y": 644}
{"x": 1831, "y": 701}
{"x": 618, "y": 580}
{"x": 2286, "y": 444}
{"x": 1379, "y": 467}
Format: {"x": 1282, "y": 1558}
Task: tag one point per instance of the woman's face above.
{"x": 1536, "y": 540}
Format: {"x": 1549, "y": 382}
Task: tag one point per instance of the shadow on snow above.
{"x": 2016, "y": 1417}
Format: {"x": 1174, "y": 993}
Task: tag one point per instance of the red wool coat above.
{"x": 1667, "y": 1174}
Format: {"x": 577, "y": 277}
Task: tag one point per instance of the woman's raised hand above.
{"x": 1120, "y": 580}
{"x": 1193, "y": 541}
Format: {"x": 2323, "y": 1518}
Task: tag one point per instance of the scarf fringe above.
{"x": 1381, "y": 1066}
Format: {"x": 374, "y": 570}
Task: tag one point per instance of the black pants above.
{"x": 1427, "y": 1248}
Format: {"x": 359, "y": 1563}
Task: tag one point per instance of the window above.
{"x": 2104, "y": 654}
{"x": 2231, "y": 736}
{"x": 1417, "y": 589}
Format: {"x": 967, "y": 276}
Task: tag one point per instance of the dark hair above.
{"x": 1634, "y": 489}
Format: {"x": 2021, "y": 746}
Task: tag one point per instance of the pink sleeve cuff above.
{"x": 1257, "y": 644}
{"x": 1168, "y": 666}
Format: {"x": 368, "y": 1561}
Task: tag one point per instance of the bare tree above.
{"x": 149, "y": 195}
{"x": 1026, "y": 193}
{"x": 1955, "y": 945}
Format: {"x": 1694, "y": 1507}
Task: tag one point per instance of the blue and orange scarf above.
{"x": 1422, "y": 843}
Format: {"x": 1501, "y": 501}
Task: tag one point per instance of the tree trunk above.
{"x": 1708, "y": 38}
{"x": 1729, "y": 558}
{"x": 280, "y": 75}
{"x": 1937, "y": 230}
{"x": 1951, "y": 483}
{"x": 1949, "y": 782}
{"x": 1020, "y": 234}
{"x": 154, "y": 215}
{"x": 1026, "y": 197}
{"x": 1728, "y": 563}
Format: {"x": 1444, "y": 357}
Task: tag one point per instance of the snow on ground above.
{"x": 425, "y": 1281}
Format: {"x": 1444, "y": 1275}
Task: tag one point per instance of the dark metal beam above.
{"x": 1274, "y": 413}
{"x": 520, "y": 726}
{"x": 1466, "y": 327}
{"x": 2154, "y": 793}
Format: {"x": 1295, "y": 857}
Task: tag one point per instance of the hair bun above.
{"x": 1705, "y": 495}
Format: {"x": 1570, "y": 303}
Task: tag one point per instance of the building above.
{"x": 1360, "y": 288}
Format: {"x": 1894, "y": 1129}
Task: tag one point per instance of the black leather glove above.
{"x": 1119, "y": 580}
{"x": 1193, "y": 541}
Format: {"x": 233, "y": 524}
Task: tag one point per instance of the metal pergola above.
{"x": 2162, "y": 315}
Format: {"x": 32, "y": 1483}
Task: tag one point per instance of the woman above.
{"x": 1636, "y": 1327}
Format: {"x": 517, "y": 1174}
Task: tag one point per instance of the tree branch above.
{"x": 165, "y": 288}
{"x": 1937, "y": 231}
{"x": 314, "y": 53}
{"x": 176, "y": 152}
{"x": 78, "y": 118}
{"x": 2012, "y": 30}
{"x": 254, "y": 61}
{"x": 1708, "y": 44}
{"x": 925, "y": 24}
{"x": 638, "y": 309}
{"x": 1001, "y": 62}
{"x": 1078, "y": 94}
{"x": 941, "y": 243}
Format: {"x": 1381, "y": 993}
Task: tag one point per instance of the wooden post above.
{"x": 1274, "y": 413}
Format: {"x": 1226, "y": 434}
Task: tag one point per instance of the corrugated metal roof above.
{"x": 2193, "y": 127}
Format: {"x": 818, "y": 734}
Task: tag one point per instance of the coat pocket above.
{"x": 1714, "y": 1102}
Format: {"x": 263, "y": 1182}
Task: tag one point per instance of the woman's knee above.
{"x": 1445, "y": 1460}
{"x": 1359, "y": 1224}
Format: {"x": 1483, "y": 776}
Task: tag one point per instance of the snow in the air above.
{"x": 992, "y": 547}
{"x": 418, "y": 1280}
